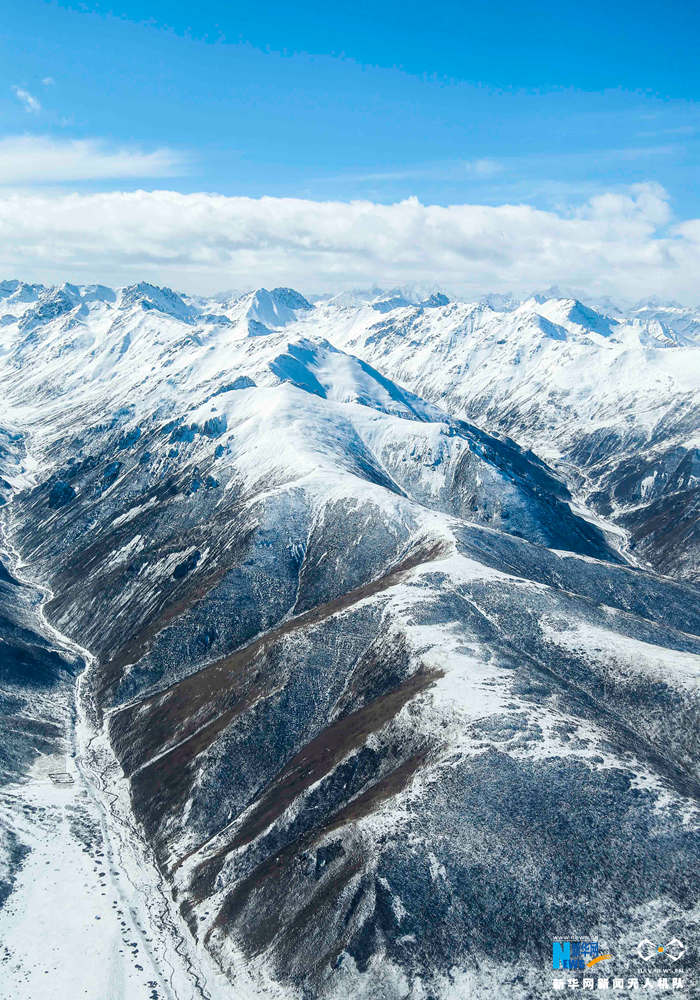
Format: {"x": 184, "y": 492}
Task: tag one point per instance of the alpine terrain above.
{"x": 348, "y": 649}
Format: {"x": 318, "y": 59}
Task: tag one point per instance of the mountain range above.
{"x": 372, "y": 621}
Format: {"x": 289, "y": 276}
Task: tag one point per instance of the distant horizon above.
{"x": 622, "y": 246}
{"x": 482, "y": 148}
{"x": 414, "y": 292}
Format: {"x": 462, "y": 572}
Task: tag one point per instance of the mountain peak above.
{"x": 270, "y": 310}
{"x": 163, "y": 300}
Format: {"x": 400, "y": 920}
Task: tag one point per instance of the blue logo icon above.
{"x": 576, "y": 954}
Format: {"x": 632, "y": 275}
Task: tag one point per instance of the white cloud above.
{"x": 48, "y": 81}
{"x": 615, "y": 244}
{"x": 484, "y": 168}
{"x": 436, "y": 170}
{"x": 31, "y": 159}
{"x": 27, "y": 100}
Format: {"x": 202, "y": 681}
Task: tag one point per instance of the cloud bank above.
{"x": 36, "y": 159}
{"x": 619, "y": 244}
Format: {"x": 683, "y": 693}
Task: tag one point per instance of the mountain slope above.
{"x": 386, "y": 703}
{"x": 611, "y": 402}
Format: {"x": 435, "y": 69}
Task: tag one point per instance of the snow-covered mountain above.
{"x": 383, "y": 705}
{"x": 611, "y": 402}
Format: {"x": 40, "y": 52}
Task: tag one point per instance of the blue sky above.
{"x": 546, "y": 105}
{"x": 447, "y": 101}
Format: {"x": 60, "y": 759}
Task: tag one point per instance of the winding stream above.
{"x": 87, "y": 916}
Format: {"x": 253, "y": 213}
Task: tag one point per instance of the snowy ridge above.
{"x": 610, "y": 401}
{"x": 375, "y": 680}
